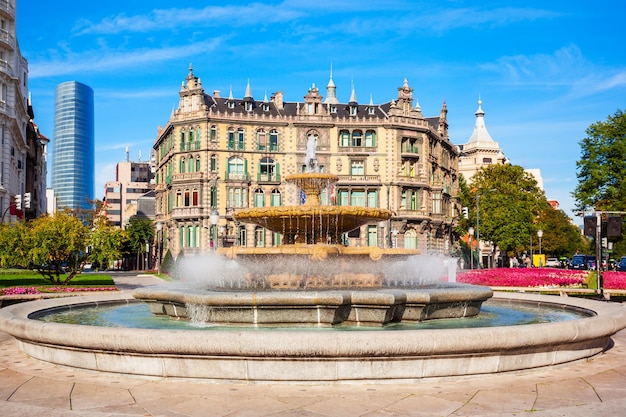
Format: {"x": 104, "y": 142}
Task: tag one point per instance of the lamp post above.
{"x": 540, "y": 235}
{"x": 470, "y": 231}
{"x": 159, "y": 229}
{"x": 214, "y": 219}
{"x": 394, "y": 233}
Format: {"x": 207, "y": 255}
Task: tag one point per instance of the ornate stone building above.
{"x": 218, "y": 154}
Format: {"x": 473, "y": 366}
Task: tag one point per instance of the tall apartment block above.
{"x": 73, "y": 156}
{"x": 132, "y": 180}
{"x": 23, "y": 150}
{"x": 218, "y": 154}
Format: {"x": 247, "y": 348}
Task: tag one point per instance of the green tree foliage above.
{"x": 509, "y": 206}
{"x": 140, "y": 232}
{"x": 107, "y": 243}
{"x": 560, "y": 236}
{"x": 601, "y": 170}
{"x": 167, "y": 265}
{"x": 55, "y": 241}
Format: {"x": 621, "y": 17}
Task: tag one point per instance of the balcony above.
{"x": 237, "y": 176}
{"x": 359, "y": 179}
{"x": 418, "y": 181}
{"x": 7, "y": 8}
{"x": 188, "y": 212}
{"x": 272, "y": 178}
{"x": 188, "y": 176}
{"x": 413, "y": 215}
{"x": 357, "y": 149}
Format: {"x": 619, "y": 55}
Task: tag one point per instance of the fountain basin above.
{"x": 300, "y": 355}
{"x": 373, "y": 307}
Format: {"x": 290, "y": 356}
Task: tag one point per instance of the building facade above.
{"x": 73, "y": 175}
{"x": 218, "y": 154}
{"x": 22, "y": 149}
{"x": 132, "y": 180}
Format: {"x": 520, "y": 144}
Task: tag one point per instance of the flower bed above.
{"x": 46, "y": 290}
{"x": 524, "y": 277}
{"x": 614, "y": 280}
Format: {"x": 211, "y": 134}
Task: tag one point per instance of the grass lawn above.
{"x": 25, "y": 278}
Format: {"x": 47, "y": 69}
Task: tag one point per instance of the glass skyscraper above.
{"x": 73, "y": 156}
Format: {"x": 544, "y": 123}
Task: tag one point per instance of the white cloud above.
{"x": 112, "y": 60}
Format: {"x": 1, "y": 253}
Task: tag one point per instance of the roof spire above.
{"x": 352, "y": 95}
{"x": 480, "y": 133}
{"x": 331, "y": 90}
{"x": 248, "y": 93}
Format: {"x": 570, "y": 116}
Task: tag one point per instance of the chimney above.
{"x": 277, "y": 99}
{"x": 216, "y": 93}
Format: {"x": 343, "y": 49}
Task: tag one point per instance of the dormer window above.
{"x": 333, "y": 109}
{"x": 353, "y": 110}
{"x": 231, "y": 104}
{"x": 248, "y": 105}
{"x": 266, "y": 107}
{"x": 371, "y": 110}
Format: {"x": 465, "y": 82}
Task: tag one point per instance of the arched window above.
{"x": 187, "y": 197}
{"x": 213, "y": 134}
{"x": 179, "y": 198}
{"x": 213, "y": 163}
{"x": 237, "y": 168}
{"x": 241, "y": 139}
{"x": 259, "y": 198}
{"x": 261, "y": 140}
{"x": 344, "y": 138}
{"x": 410, "y": 239}
{"x": 231, "y": 138}
{"x": 198, "y": 164}
{"x": 259, "y": 237}
{"x": 194, "y": 197}
{"x": 357, "y": 138}
{"x": 273, "y": 140}
{"x": 370, "y": 138}
{"x": 268, "y": 170}
{"x": 183, "y": 165}
{"x": 276, "y": 199}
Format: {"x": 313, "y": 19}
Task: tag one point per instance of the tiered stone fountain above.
{"x": 313, "y": 279}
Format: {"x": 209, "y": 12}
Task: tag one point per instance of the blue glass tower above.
{"x": 73, "y": 156}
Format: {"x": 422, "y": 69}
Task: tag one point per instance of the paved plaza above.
{"x": 594, "y": 387}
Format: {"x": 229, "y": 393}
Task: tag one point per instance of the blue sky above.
{"x": 545, "y": 70}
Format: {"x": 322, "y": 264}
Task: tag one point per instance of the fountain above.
{"x": 314, "y": 279}
{"x": 313, "y": 310}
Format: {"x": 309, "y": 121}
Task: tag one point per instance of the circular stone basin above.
{"x": 301, "y": 355}
{"x": 372, "y": 307}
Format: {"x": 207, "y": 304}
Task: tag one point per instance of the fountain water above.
{"x": 313, "y": 279}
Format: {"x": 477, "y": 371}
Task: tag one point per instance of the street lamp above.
{"x": 159, "y": 228}
{"x": 540, "y": 235}
{"x": 214, "y": 219}
{"x": 470, "y": 231}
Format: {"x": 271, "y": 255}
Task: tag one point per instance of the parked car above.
{"x": 553, "y": 263}
{"x": 591, "y": 262}
{"x": 578, "y": 262}
{"x": 621, "y": 265}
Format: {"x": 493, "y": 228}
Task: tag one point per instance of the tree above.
{"x": 509, "y": 205}
{"x": 140, "y": 232}
{"x": 601, "y": 170}
{"x": 56, "y": 243}
{"x": 107, "y": 242}
{"x": 560, "y": 236}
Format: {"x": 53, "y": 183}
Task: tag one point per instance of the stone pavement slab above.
{"x": 32, "y": 388}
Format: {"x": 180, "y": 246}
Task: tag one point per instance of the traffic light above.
{"x": 589, "y": 226}
{"x": 18, "y": 201}
{"x": 27, "y": 200}
{"x": 614, "y": 226}
{"x": 465, "y": 213}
